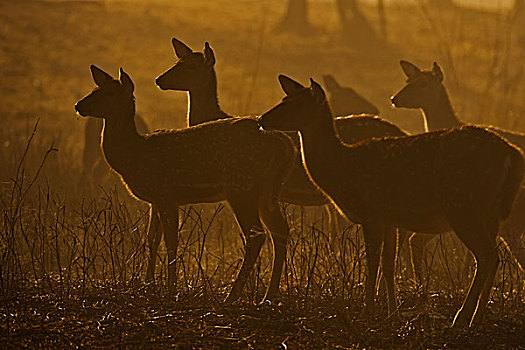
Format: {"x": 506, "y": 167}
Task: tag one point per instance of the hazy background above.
{"x": 47, "y": 48}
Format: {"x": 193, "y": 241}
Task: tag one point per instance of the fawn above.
{"x": 464, "y": 179}
{"x": 424, "y": 89}
{"x": 194, "y": 72}
{"x": 229, "y": 160}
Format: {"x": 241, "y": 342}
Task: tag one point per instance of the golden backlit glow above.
{"x": 144, "y": 201}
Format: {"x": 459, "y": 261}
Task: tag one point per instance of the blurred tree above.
{"x": 382, "y": 18}
{"x": 518, "y": 9}
{"x": 517, "y": 16}
{"x": 343, "y": 6}
{"x": 296, "y": 17}
{"x": 352, "y": 18}
{"x": 441, "y": 3}
{"x": 353, "y": 21}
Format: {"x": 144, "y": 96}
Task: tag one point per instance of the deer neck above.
{"x": 321, "y": 147}
{"x": 440, "y": 115}
{"x": 120, "y": 140}
{"x": 204, "y": 104}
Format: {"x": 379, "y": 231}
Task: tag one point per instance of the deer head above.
{"x": 423, "y": 88}
{"x": 303, "y": 108}
{"x": 109, "y": 98}
{"x": 192, "y": 70}
{"x": 345, "y": 101}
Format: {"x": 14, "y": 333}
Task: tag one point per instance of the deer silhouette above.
{"x": 196, "y": 165}
{"x": 424, "y": 90}
{"x": 346, "y": 101}
{"x": 463, "y": 179}
{"x": 194, "y": 72}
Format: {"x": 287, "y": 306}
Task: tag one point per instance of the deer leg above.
{"x": 154, "y": 236}
{"x": 484, "y": 277}
{"x": 402, "y": 238}
{"x": 333, "y": 225}
{"x": 388, "y": 266}
{"x": 482, "y": 244}
{"x": 492, "y": 228}
{"x": 511, "y": 231}
{"x": 247, "y": 215}
{"x": 373, "y": 235}
{"x": 485, "y": 293}
{"x": 335, "y": 220}
{"x": 169, "y": 217}
{"x": 276, "y": 223}
{"x": 417, "y": 245}
{"x": 512, "y": 241}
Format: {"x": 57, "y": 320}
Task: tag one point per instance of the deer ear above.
{"x": 126, "y": 82}
{"x": 181, "y": 49}
{"x": 209, "y": 56}
{"x": 99, "y": 76}
{"x": 330, "y": 82}
{"x": 410, "y": 69}
{"x": 436, "y": 71}
{"x": 317, "y": 91}
{"x": 289, "y": 85}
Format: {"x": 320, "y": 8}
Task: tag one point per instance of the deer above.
{"x": 424, "y": 90}
{"x": 227, "y": 160}
{"x": 194, "y": 72}
{"x": 93, "y": 165}
{"x": 346, "y": 101}
{"x": 462, "y": 179}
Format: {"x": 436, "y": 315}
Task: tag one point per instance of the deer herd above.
{"x": 453, "y": 177}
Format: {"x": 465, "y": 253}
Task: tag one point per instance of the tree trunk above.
{"x": 382, "y": 19}
{"x": 296, "y": 17}
{"x": 345, "y": 6}
{"x": 354, "y": 23}
{"x": 519, "y": 7}
{"x": 441, "y": 3}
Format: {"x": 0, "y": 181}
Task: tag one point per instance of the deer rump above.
{"x": 467, "y": 170}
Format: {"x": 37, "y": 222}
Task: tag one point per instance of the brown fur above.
{"x": 340, "y": 96}
{"x": 462, "y": 179}
{"x": 194, "y": 72}
{"x": 196, "y": 165}
{"x": 93, "y": 165}
{"x": 424, "y": 89}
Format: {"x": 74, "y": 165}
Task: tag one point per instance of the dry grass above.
{"x": 72, "y": 255}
